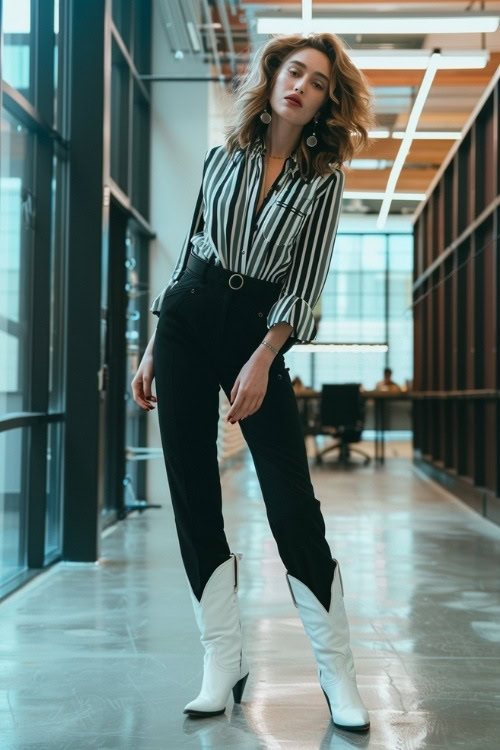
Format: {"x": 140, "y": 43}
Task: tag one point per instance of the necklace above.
{"x": 269, "y": 156}
{"x": 266, "y": 163}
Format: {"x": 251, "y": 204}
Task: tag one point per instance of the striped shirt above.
{"x": 289, "y": 240}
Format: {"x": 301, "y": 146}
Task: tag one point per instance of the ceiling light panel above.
{"x": 381, "y": 23}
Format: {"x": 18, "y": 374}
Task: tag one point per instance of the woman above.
{"x": 251, "y": 269}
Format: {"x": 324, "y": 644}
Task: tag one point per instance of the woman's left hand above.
{"x": 249, "y": 389}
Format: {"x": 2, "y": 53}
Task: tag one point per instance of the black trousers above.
{"x": 206, "y": 332}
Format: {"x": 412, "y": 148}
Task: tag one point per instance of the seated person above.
{"x": 299, "y": 387}
{"x": 387, "y": 384}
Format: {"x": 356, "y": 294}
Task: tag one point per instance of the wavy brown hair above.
{"x": 344, "y": 118}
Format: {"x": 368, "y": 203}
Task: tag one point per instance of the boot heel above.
{"x": 239, "y": 688}
{"x": 327, "y": 700}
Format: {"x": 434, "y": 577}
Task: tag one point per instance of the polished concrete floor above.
{"x": 107, "y": 655}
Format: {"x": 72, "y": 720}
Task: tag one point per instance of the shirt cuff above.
{"x": 295, "y": 311}
{"x": 157, "y": 302}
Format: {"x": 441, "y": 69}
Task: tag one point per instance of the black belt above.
{"x": 235, "y": 281}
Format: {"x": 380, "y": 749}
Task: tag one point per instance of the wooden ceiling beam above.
{"x": 410, "y": 180}
{"x": 421, "y": 151}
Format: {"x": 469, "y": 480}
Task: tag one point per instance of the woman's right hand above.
{"x": 143, "y": 379}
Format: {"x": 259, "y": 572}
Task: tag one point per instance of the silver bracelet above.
{"x": 266, "y": 343}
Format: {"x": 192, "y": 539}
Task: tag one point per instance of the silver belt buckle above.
{"x": 242, "y": 281}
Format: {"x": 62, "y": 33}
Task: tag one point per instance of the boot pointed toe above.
{"x": 348, "y": 717}
{"x": 202, "y": 707}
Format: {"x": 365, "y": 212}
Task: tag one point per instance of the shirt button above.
{"x": 260, "y": 315}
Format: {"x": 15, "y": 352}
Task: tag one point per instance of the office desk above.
{"x": 380, "y": 399}
{"x": 309, "y": 404}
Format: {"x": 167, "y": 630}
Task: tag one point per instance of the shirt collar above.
{"x": 258, "y": 148}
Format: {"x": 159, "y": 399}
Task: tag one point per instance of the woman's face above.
{"x": 305, "y": 73}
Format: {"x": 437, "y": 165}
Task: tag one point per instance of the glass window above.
{"x": 347, "y": 253}
{"x": 400, "y": 333}
{"x": 373, "y": 252}
{"x": 140, "y": 152}
{"x": 366, "y": 299}
{"x": 14, "y": 447}
{"x": 119, "y": 118}
{"x": 57, "y": 277}
{"x": 16, "y": 242}
{"x": 401, "y": 252}
{"x": 142, "y": 37}
{"x": 57, "y": 62}
{"x": 54, "y": 490}
{"x": 121, "y": 13}
{"x": 136, "y": 263}
{"x": 17, "y": 46}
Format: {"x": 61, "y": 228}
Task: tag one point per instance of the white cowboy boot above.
{"x": 329, "y": 636}
{"x": 224, "y": 665}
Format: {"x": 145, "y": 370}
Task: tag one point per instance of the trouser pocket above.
{"x": 189, "y": 283}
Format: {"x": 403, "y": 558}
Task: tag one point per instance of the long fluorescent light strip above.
{"x": 379, "y": 195}
{"x": 418, "y": 59}
{"x": 350, "y": 348}
{"x": 429, "y": 135}
{"x": 451, "y": 135}
{"x": 464, "y": 24}
{"x": 411, "y": 127}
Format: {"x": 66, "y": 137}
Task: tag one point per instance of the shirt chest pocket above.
{"x": 285, "y": 219}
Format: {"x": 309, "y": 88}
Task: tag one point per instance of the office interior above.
{"x": 107, "y": 110}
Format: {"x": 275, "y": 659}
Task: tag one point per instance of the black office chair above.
{"x": 342, "y": 414}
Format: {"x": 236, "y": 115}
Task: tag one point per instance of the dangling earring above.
{"x": 311, "y": 140}
{"x": 265, "y": 116}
